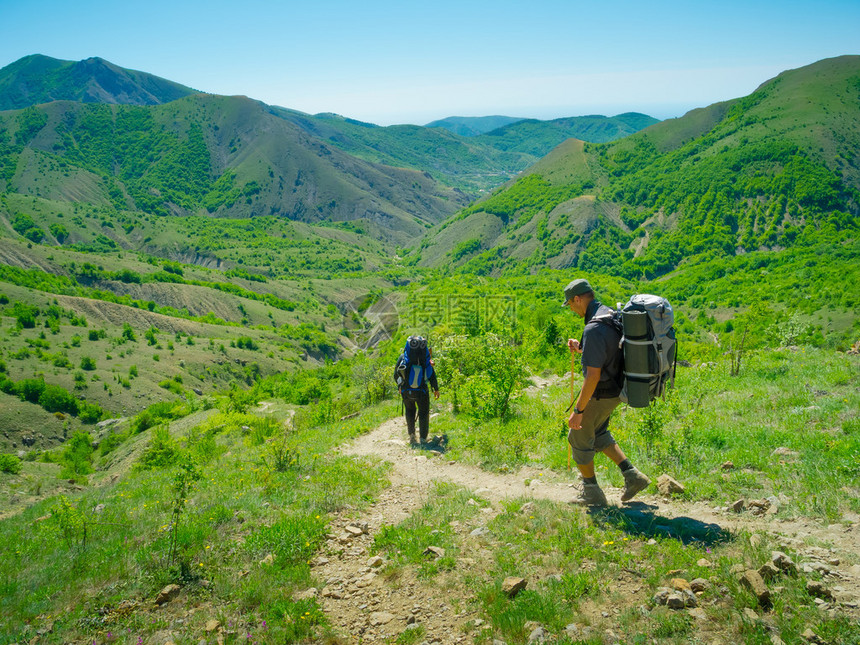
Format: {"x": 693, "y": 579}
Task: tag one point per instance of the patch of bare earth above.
{"x": 363, "y": 602}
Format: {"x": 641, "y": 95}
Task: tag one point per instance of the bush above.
{"x": 159, "y": 412}
{"x": 77, "y": 455}
{"x": 110, "y": 442}
{"x": 128, "y": 332}
{"x": 482, "y": 373}
{"x": 172, "y": 385}
{"x": 10, "y": 464}
{"x": 89, "y": 412}
{"x": 26, "y": 319}
{"x": 57, "y": 399}
{"x": 30, "y": 389}
{"x": 7, "y": 386}
{"x": 88, "y": 363}
{"x": 162, "y": 450}
{"x": 243, "y": 342}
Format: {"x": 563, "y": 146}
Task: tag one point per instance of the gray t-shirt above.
{"x": 600, "y": 349}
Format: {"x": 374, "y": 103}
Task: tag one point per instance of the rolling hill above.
{"x": 93, "y": 133}
{"x": 775, "y": 169}
{"x": 471, "y": 126}
{"x": 475, "y": 162}
{"x": 204, "y": 154}
{"x": 41, "y": 79}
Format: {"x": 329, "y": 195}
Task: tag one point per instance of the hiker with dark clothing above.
{"x": 413, "y": 372}
{"x": 599, "y": 396}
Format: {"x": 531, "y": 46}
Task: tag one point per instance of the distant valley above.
{"x": 242, "y": 240}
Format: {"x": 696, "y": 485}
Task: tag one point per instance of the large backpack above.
{"x": 414, "y": 366}
{"x": 648, "y": 348}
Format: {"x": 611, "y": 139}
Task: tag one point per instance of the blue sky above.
{"x": 406, "y": 62}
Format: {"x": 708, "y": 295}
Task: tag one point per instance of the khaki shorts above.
{"x": 594, "y": 436}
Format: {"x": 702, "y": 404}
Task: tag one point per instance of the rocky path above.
{"x": 366, "y": 604}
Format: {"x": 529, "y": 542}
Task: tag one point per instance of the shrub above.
{"x": 77, "y": 455}
{"x": 26, "y": 319}
{"x": 10, "y": 464}
{"x": 80, "y": 380}
{"x": 482, "y": 373}
{"x": 110, "y": 442}
{"x": 59, "y": 231}
{"x": 89, "y": 412}
{"x": 244, "y": 342}
{"x": 128, "y": 332}
{"x": 171, "y": 385}
{"x": 30, "y": 389}
{"x": 162, "y": 450}
{"x": 88, "y": 363}
{"x": 57, "y": 399}
{"x": 7, "y": 386}
{"x": 158, "y": 412}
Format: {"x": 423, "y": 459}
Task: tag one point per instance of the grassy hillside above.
{"x": 124, "y": 312}
{"x": 776, "y": 169}
{"x": 201, "y": 303}
{"x": 40, "y": 79}
{"x": 471, "y": 126}
{"x": 209, "y": 155}
{"x": 268, "y": 526}
{"x": 473, "y": 164}
{"x": 222, "y": 154}
{"x": 534, "y": 137}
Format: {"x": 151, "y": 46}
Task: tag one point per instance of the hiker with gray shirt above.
{"x": 599, "y": 396}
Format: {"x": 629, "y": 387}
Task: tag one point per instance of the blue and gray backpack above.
{"x": 413, "y": 367}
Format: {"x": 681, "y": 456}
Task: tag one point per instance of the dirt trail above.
{"x": 369, "y": 606}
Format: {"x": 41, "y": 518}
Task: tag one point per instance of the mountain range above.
{"x": 41, "y": 79}
{"x": 775, "y": 169}
{"x": 235, "y": 225}
{"x": 762, "y": 171}
{"x": 94, "y": 132}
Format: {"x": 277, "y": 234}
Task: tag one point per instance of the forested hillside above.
{"x": 777, "y": 169}
{"x": 471, "y": 161}
{"x": 471, "y": 126}
{"x": 42, "y": 79}
{"x": 203, "y": 154}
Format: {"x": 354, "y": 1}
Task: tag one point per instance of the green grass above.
{"x": 576, "y": 564}
{"x": 244, "y": 509}
{"x": 801, "y": 401}
{"x": 120, "y": 552}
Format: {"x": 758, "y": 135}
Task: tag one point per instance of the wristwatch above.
{"x": 576, "y": 410}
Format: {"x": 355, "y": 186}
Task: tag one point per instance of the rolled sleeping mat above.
{"x": 637, "y": 351}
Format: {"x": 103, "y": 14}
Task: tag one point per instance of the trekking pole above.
{"x": 572, "y": 395}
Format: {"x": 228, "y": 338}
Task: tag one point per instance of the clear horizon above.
{"x": 387, "y": 63}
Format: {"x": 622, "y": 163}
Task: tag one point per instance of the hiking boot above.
{"x": 634, "y": 481}
{"x": 591, "y": 495}
{"x": 412, "y": 440}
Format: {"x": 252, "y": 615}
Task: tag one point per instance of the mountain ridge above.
{"x": 769, "y": 170}
{"x": 37, "y": 79}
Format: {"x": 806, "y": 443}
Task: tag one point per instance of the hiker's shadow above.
{"x": 640, "y": 519}
{"x": 438, "y": 444}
